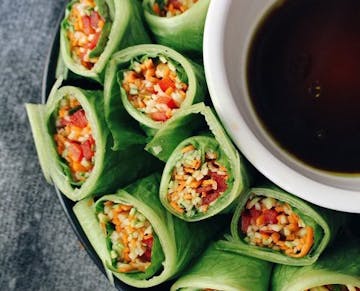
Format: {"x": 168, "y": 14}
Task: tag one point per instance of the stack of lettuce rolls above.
{"x": 222, "y": 270}
{"x": 152, "y": 82}
{"x": 178, "y": 24}
{"x": 93, "y": 30}
{"x": 138, "y": 241}
{"x": 204, "y": 173}
{"x": 274, "y": 225}
{"x": 74, "y": 144}
{"x": 338, "y": 269}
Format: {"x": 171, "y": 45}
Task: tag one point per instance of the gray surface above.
{"x": 38, "y": 249}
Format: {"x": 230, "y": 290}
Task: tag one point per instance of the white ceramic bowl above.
{"x": 229, "y": 28}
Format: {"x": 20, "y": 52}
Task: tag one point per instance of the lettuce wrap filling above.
{"x": 137, "y": 240}
{"x": 155, "y": 86}
{"x": 170, "y": 8}
{"x": 199, "y": 177}
{"x": 130, "y": 236}
{"x": 73, "y": 138}
{"x": 86, "y": 31}
{"x": 92, "y": 30}
{"x": 273, "y": 225}
{"x": 270, "y": 223}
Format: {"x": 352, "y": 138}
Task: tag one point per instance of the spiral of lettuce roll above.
{"x": 222, "y": 270}
{"x": 338, "y": 269}
{"x": 204, "y": 173}
{"x": 93, "y": 30}
{"x": 74, "y": 144}
{"x": 138, "y": 241}
{"x": 152, "y": 82}
{"x": 178, "y": 24}
{"x": 274, "y": 225}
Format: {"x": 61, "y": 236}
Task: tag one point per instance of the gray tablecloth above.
{"x": 38, "y": 249}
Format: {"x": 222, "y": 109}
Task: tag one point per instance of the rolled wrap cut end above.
{"x": 177, "y": 24}
{"x": 132, "y": 243}
{"x": 338, "y": 269}
{"x": 175, "y": 242}
{"x": 196, "y": 177}
{"x": 151, "y": 83}
{"x": 274, "y": 225}
{"x": 93, "y": 30}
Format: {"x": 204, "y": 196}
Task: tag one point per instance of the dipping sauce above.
{"x": 304, "y": 81}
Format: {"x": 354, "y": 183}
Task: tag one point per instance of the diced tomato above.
{"x": 168, "y": 101}
{"x": 75, "y": 152}
{"x": 94, "y": 19}
{"x": 91, "y": 140}
{"x": 205, "y": 189}
{"x": 148, "y": 242}
{"x": 220, "y": 181}
{"x": 254, "y": 213}
{"x": 245, "y": 220}
{"x": 94, "y": 42}
{"x": 166, "y": 83}
{"x": 86, "y": 150}
{"x": 270, "y": 216}
{"x": 176, "y": 4}
{"x": 210, "y": 197}
{"x": 159, "y": 116}
{"x": 146, "y": 257}
{"x": 63, "y": 122}
{"x": 86, "y": 25}
{"x": 79, "y": 119}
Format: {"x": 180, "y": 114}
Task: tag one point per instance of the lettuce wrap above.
{"x": 276, "y": 226}
{"x": 151, "y": 82}
{"x": 337, "y": 269}
{"x": 182, "y": 31}
{"x": 93, "y": 30}
{"x": 174, "y": 242}
{"x": 74, "y": 145}
{"x": 204, "y": 173}
{"x": 222, "y": 270}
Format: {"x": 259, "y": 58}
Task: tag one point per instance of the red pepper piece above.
{"x": 75, "y": 152}
{"x": 245, "y": 220}
{"x": 270, "y": 216}
{"x": 166, "y": 83}
{"x": 158, "y": 116}
{"x": 86, "y": 148}
{"x": 79, "y": 119}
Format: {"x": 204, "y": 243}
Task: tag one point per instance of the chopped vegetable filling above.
{"x": 154, "y": 88}
{"x": 270, "y": 223}
{"x": 196, "y": 181}
{"x": 170, "y": 8}
{"x": 84, "y": 27}
{"x": 130, "y": 234}
{"x": 73, "y": 138}
{"x": 335, "y": 288}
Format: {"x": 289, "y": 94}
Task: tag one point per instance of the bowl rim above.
{"x": 258, "y": 155}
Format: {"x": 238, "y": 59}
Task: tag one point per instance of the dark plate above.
{"x": 67, "y": 204}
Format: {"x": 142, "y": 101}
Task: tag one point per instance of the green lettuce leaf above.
{"x": 182, "y": 32}
{"x": 182, "y": 128}
{"x": 338, "y": 265}
{"x": 180, "y": 242}
{"x": 115, "y": 96}
{"x": 221, "y": 270}
{"x": 110, "y": 168}
{"x": 325, "y": 223}
{"x": 124, "y": 28}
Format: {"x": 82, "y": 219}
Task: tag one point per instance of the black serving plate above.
{"x": 49, "y": 79}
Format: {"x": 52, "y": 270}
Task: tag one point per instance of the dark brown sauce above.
{"x": 304, "y": 81}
